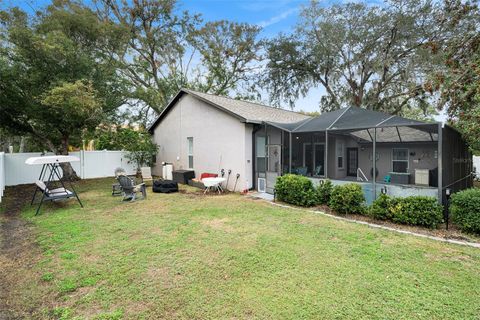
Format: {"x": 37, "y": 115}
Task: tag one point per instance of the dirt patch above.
{"x": 219, "y": 224}
{"x": 164, "y": 277}
{"x": 18, "y": 254}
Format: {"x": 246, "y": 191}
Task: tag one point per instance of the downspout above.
{"x": 254, "y": 156}
{"x": 326, "y": 153}
{"x": 281, "y": 152}
{"x": 440, "y": 162}
{"x": 374, "y": 182}
{"x": 312, "y": 145}
{"x": 290, "y": 152}
{"x": 266, "y": 151}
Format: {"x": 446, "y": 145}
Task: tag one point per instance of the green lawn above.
{"x": 191, "y": 256}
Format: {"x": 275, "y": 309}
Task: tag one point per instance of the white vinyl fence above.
{"x": 93, "y": 164}
{"x": 476, "y": 164}
{"x": 2, "y": 174}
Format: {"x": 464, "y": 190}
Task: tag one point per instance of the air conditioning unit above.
{"x": 262, "y": 185}
{"x": 167, "y": 171}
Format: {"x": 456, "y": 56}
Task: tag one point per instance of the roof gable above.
{"x": 245, "y": 111}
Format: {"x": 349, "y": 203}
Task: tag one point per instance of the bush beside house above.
{"x": 416, "y": 210}
{"x": 324, "y": 191}
{"x": 295, "y": 189}
{"x": 347, "y": 198}
{"x": 381, "y": 208}
{"x": 465, "y": 210}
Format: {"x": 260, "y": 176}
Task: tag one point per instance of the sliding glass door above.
{"x": 313, "y": 160}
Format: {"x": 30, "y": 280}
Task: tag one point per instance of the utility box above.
{"x": 167, "y": 170}
{"x": 422, "y": 177}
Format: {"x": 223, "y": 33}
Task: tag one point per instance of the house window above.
{"x": 190, "y": 152}
{"x": 340, "y": 152}
{"x": 260, "y": 154}
{"x": 400, "y": 160}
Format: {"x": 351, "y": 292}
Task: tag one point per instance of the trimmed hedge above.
{"x": 465, "y": 210}
{"x": 381, "y": 208}
{"x": 324, "y": 191}
{"x": 295, "y": 189}
{"x": 416, "y": 210}
{"x": 347, "y": 198}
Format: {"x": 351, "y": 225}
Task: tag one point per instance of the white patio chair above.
{"x": 146, "y": 174}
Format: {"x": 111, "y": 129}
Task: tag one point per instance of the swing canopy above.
{"x": 51, "y": 159}
{"x": 51, "y": 169}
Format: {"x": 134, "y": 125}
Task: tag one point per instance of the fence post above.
{"x": 82, "y": 162}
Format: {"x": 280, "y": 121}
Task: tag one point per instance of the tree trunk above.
{"x": 21, "y": 149}
{"x": 68, "y": 172}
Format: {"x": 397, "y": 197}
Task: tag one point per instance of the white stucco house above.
{"x": 208, "y": 133}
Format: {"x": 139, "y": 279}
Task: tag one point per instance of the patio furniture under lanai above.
{"x": 410, "y": 157}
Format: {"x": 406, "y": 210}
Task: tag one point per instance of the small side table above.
{"x": 213, "y": 184}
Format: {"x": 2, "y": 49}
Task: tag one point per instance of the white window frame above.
{"x": 190, "y": 152}
{"x": 340, "y": 143}
{"x": 407, "y": 161}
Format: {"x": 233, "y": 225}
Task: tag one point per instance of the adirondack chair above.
{"x": 116, "y": 187}
{"x": 130, "y": 190}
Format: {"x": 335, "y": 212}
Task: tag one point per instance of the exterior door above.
{"x": 352, "y": 161}
{"x": 319, "y": 160}
{"x": 307, "y": 159}
{"x": 274, "y": 168}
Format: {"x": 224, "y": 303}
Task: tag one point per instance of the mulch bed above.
{"x": 452, "y": 233}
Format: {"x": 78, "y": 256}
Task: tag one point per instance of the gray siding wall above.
{"x": 424, "y": 158}
{"x": 220, "y": 141}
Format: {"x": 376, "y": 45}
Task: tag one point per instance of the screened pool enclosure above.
{"x": 410, "y": 157}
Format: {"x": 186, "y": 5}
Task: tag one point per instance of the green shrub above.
{"x": 324, "y": 190}
{"x": 465, "y": 210}
{"x": 381, "y": 208}
{"x": 297, "y": 190}
{"x": 347, "y": 198}
{"x": 417, "y": 210}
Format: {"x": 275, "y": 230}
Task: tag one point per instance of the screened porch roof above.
{"x": 361, "y": 124}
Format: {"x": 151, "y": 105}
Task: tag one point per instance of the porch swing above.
{"x": 53, "y": 188}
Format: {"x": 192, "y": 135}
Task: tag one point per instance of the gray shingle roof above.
{"x": 250, "y": 111}
{"x": 244, "y": 110}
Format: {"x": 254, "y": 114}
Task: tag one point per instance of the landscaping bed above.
{"x": 418, "y": 214}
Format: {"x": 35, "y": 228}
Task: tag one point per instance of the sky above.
{"x": 274, "y": 16}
